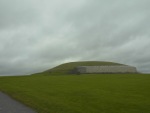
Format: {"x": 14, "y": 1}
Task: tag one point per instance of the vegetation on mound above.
{"x": 67, "y": 67}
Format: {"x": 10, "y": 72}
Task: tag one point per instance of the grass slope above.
{"x": 67, "y": 67}
{"x": 105, "y": 93}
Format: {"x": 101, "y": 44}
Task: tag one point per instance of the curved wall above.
{"x": 106, "y": 69}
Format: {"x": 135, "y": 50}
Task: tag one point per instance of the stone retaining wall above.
{"x": 106, "y": 69}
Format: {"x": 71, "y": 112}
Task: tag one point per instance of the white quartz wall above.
{"x": 107, "y": 69}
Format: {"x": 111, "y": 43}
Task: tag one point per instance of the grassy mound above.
{"x": 67, "y": 67}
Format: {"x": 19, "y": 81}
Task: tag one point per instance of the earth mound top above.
{"x": 66, "y": 68}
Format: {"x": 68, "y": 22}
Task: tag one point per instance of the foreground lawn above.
{"x": 81, "y": 93}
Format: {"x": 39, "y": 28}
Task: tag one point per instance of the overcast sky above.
{"x": 36, "y": 35}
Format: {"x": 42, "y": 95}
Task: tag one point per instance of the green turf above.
{"x": 67, "y": 67}
{"x": 114, "y": 93}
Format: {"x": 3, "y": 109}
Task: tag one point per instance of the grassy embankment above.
{"x": 116, "y": 93}
{"x": 68, "y": 67}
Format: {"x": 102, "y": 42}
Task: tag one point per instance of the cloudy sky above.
{"x": 36, "y": 35}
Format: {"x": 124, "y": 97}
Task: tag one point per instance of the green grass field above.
{"x": 114, "y": 93}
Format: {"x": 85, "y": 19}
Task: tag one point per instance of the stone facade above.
{"x": 105, "y": 69}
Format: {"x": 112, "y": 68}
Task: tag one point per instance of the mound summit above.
{"x": 91, "y": 67}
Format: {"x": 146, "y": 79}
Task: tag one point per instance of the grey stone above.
{"x": 105, "y": 69}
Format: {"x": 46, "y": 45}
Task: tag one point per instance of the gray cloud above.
{"x": 16, "y": 13}
{"x": 36, "y": 35}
